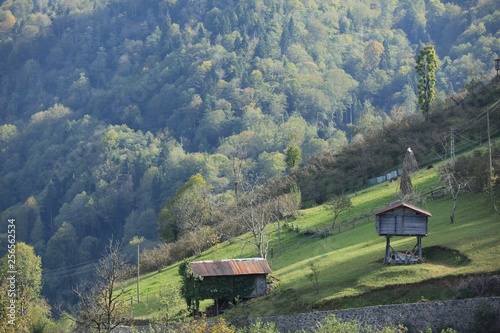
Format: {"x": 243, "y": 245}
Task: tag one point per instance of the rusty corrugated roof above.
{"x": 398, "y": 204}
{"x": 248, "y": 266}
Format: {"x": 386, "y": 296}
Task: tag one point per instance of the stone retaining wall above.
{"x": 456, "y": 314}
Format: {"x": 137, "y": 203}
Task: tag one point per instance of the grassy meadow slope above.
{"x": 351, "y": 273}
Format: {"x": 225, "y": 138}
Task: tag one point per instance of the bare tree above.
{"x": 337, "y": 205}
{"x": 287, "y": 194}
{"x": 454, "y": 182}
{"x": 100, "y": 308}
{"x": 237, "y": 156}
{"x": 255, "y": 210}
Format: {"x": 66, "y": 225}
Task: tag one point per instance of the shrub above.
{"x": 192, "y": 326}
{"x": 201, "y": 239}
{"x": 395, "y": 329}
{"x": 181, "y": 249}
{"x": 220, "y": 327}
{"x": 157, "y": 258}
{"x": 482, "y": 286}
{"x": 486, "y": 319}
{"x": 259, "y": 327}
{"x": 332, "y": 325}
{"x": 475, "y": 168}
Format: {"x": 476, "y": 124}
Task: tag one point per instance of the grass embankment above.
{"x": 351, "y": 273}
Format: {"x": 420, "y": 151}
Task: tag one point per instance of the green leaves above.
{"x": 195, "y": 289}
{"x": 337, "y": 205}
{"x": 293, "y": 157}
{"x": 426, "y": 66}
{"x": 28, "y": 267}
{"x": 189, "y": 210}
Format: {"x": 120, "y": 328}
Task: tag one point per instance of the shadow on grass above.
{"x": 441, "y": 255}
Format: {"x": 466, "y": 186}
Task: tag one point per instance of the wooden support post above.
{"x": 419, "y": 242}
{"x": 387, "y": 248}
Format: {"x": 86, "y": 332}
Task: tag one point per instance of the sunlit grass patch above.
{"x": 350, "y": 269}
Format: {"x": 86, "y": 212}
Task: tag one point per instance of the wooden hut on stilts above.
{"x": 402, "y": 219}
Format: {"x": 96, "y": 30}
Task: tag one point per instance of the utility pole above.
{"x": 137, "y": 241}
{"x": 490, "y": 180}
{"x": 138, "y": 273}
{"x": 452, "y": 145}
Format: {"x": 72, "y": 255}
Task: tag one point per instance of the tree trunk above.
{"x": 452, "y": 216}
{"x": 334, "y": 219}
{"x": 279, "y": 236}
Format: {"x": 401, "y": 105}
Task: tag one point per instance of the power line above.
{"x": 70, "y": 272}
{"x": 48, "y": 271}
{"x": 481, "y": 116}
{"x": 490, "y": 180}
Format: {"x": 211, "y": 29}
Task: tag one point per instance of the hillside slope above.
{"x": 350, "y": 262}
{"x": 108, "y": 107}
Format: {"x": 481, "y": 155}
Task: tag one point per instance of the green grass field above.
{"x": 351, "y": 273}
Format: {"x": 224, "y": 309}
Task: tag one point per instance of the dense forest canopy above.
{"x": 108, "y": 108}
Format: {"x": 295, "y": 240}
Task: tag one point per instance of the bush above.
{"x": 201, "y": 239}
{"x": 192, "y": 326}
{"x": 332, "y": 325}
{"x": 482, "y": 286}
{"x": 392, "y": 329}
{"x": 486, "y": 319}
{"x": 181, "y": 249}
{"x": 259, "y": 327}
{"x": 475, "y": 168}
{"x": 156, "y": 259}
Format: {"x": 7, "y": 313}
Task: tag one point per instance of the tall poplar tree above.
{"x": 426, "y": 69}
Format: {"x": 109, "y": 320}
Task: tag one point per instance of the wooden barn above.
{"x": 224, "y": 281}
{"x": 402, "y": 219}
{"x": 257, "y": 268}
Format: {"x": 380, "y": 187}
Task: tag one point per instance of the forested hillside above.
{"x": 109, "y": 110}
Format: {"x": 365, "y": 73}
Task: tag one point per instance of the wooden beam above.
{"x": 387, "y": 248}
{"x": 419, "y": 242}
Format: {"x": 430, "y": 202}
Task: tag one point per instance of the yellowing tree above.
{"x": 7, "y": 20}
{"x": 189, "y": 210}
{"x": 373, "y": 54}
